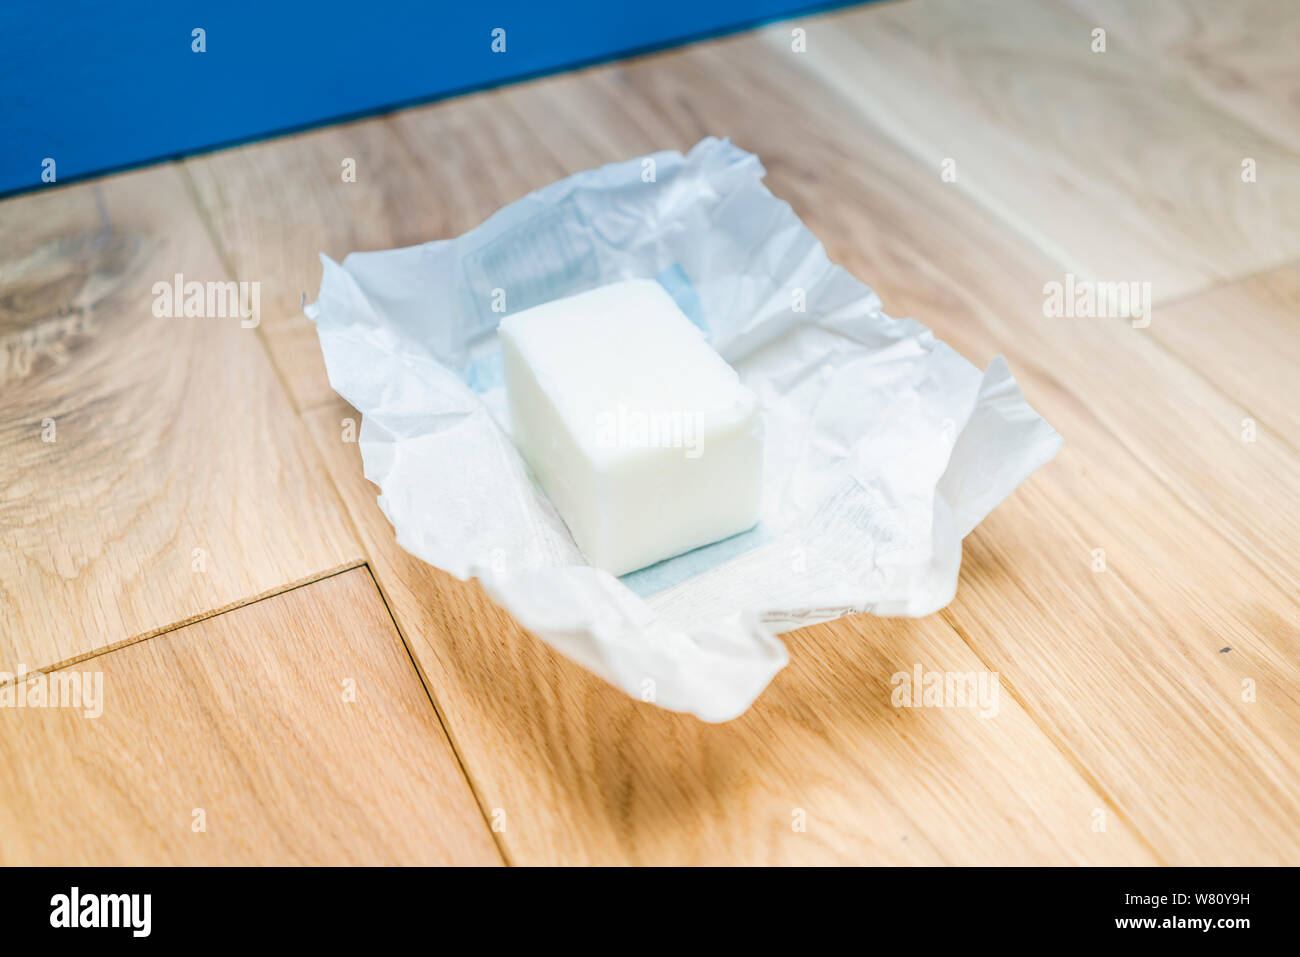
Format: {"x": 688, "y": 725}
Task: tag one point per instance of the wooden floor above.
{"x": 183, "y": 509}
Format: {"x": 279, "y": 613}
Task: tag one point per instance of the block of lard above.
{"x": 638, "y": 431}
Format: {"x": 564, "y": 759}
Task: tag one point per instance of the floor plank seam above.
{"x": 186, "y": 622}
{"x": 1221, "y": 284}
{"x": 442, "y": 721}
{"x": 214, "y": 239}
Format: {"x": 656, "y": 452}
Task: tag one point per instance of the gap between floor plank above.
{"x": 186, "y": 622}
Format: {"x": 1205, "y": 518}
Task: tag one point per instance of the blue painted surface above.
{"x": 100, "y": 86}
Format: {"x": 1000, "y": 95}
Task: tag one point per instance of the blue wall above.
{"x": 99, "y": 86}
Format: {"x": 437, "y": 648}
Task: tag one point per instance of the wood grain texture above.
{"x": 245, "y": 716}
{"x": 275, "y": 211}
{"x": 153, "y": 469}
{"x": 1240, "y": 56}
{"x": 1245, "y": 339}
{"x": 580, "y": 773}
{"x": 1109, "y": 162}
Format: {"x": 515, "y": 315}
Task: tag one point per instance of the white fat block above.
{"x": 641, "y": 435}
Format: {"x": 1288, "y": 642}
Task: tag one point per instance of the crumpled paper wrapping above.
{"x": 884, "y": 447}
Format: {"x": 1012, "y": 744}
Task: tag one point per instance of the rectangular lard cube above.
{"x": 641, "y": 435}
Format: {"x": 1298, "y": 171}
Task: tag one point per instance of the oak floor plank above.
{"x": 295, "y": 726}
{"x": 153, "y": 470}
{"x": 275, "y": 210}
{"x": 1240, "y": 56}
{"x": 577, "y": 772}
{"x": 1245, "y": 338}
{"x": 1110, "y": 162}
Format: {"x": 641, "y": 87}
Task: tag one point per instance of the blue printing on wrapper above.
{"x": 653, "y": 579}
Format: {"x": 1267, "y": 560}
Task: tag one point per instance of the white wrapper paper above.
{"x": 884, "y": 447}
